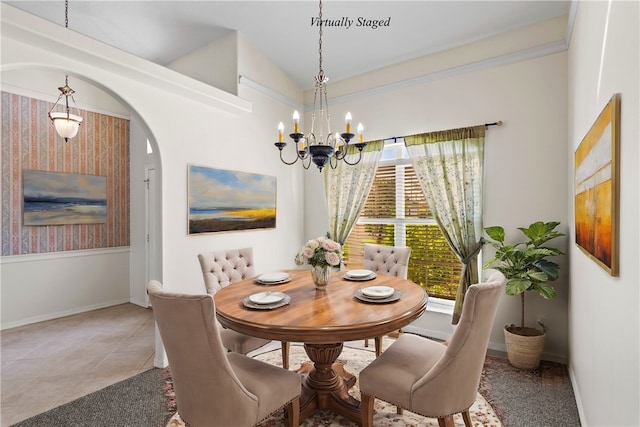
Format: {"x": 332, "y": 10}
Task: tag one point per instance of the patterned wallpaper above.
{"x": 29, "y": 141}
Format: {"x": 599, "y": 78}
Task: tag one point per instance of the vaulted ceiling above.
{"x": 359, "y": 36}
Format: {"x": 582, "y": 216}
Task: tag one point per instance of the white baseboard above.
{"x": 576, "y": 394}
{"x": 137, "y": 302}
{"x": 57, "y": 315}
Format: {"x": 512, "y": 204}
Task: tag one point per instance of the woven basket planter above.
{"x": 525, "y": 347}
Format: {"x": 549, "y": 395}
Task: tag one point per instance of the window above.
{"x": 396, "y": 214}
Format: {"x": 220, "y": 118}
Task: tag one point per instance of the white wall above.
{"x": 214, "y": 64}
{"x": 604, "y": 324}
{"x": 47, "y": 286}
{"x": 525, "y": 159}
{"x": 138, "y": 215}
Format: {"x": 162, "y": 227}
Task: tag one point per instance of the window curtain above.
{"x": 347, "y": 186}
{"x": 449, "y": 165}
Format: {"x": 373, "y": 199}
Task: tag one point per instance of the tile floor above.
{"x": 47, "y": 364}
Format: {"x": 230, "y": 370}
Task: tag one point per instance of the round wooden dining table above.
{"x": 323, "y": 320}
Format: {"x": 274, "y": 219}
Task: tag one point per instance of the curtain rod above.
{"x": 486, "y": 125}
{"x": 498, "y": 123}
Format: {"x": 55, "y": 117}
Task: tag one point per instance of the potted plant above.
{"x": 526, "y": 267}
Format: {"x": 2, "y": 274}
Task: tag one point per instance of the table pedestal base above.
{"x": 326, "y": 384}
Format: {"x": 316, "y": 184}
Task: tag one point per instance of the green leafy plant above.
{"x": 524, "y": 264}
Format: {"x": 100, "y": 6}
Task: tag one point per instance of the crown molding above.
{"x": 251, "y": 84}
{"x": 497, "y": 61}
{"x": 511, "y": 58}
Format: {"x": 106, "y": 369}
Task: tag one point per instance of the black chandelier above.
{"x": 321, "y": 150}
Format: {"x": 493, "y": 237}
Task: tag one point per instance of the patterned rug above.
{"x": 355, "y": 359}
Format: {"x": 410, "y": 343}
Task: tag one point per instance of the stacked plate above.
{"x": 377, "y": 291}
{"x": 266, "y": 300}
{"x": 360, "y": 275}
{"x": 378, "y": 294}
{"x": 274, "y": 278}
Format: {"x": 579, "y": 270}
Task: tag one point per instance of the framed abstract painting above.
{"x": 58, "y": 198}
{"x": 596, "y": 183}
{"x": 222, "y": 200}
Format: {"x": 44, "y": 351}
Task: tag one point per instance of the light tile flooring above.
{"x": 50, "y": 363}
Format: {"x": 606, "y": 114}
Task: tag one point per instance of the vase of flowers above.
{"x": 322, "y": 254}
{"x": 320, "y": 274}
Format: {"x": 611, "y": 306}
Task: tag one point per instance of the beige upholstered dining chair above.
{"x": 433, "y": 379}
{"x": 391, "y": 260}
{"x": 214, "y": 387}
{"x": 220, "y": 269}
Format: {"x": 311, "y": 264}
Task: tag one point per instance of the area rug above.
{"x": 355, "y": 359}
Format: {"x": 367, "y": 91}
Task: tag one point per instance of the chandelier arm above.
{"x": 55, "y": 104}
{"x": 75, "y": 104}
{"x": 354, "y": 163}
{"x": 288, "y": 163}
{"x": 308, "y": 162}
{"x": 280, "y": 146}
{"x": 333, "y": 162}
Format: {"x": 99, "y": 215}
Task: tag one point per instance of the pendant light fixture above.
{"x": 327, "y": 147}
{"x": 66, "y": 124}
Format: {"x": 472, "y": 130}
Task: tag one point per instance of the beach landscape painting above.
{"x": 58, "y": 198}
{"x": 222, "y": 200}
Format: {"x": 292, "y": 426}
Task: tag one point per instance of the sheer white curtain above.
{"x": 449, "y": 166}
{"x": 347, "y": 186}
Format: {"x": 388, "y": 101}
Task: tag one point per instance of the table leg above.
{"x": 326, "y": 384}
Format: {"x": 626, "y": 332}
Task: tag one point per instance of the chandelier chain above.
{"x": 321, "y": 73}
{"x": 66, "y": 13}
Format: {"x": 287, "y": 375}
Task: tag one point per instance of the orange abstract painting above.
{"x": 596, "y": 189}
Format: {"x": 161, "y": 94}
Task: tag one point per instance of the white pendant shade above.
{"x": 66, "y": 126}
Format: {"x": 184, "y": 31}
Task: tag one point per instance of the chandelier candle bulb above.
{"x": 360, "y": 130}
{"x": 296, "y": 120}
{"x": 280, "y": 131}
{"x": 347, "y": 120}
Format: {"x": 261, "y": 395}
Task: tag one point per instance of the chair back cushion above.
{"x": 391, "y": 260}
{"x": 208, "y": 392}
{"x": 221, "y": 268}
{"x": 452, "y": 383}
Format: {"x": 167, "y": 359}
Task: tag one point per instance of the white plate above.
{"x": 377, "y": 291}
{"x": 277, "y": 276}
{"x": 394, "y": 297}
{"x": 357, "y": 274}
{"x": 279, "y": 282}
{"x": 266, "y": 297}
{"x": 360, "y": 279}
